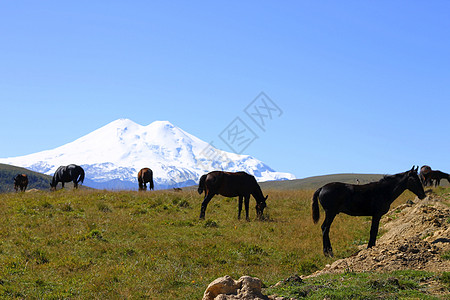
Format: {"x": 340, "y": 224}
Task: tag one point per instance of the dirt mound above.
{"x": 417, "y": 234}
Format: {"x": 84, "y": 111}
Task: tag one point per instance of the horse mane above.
{"x": 387, "y": 178}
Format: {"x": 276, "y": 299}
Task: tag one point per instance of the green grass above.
{"x": 82, "y": 244}
{"x": 394, "y": 285}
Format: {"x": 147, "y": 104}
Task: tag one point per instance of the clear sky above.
{"x": 362, "y": 86}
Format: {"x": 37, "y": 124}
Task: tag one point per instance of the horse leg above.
{"x": 75, "y": 184}
{"x": 240, "y": 207}
{"x": 374, "y": 230}
{"x": 205, "y": 202}
{"x": 246, "y": 203}
{"x": 62, "y": 183}
{"x": 327, "y": 249}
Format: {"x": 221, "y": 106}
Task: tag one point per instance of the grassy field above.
{"x": 82, "y": 244}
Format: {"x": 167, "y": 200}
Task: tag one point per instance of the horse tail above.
{"x": 315, "y": 206}
{"x": 81, "y": 179}
{"x": 201, "y": 184}
{"x": 151, "y": 180}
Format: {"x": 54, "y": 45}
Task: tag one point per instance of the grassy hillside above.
{"x": 111, "y": 245}
{"x": 35, "y": 180}
{"x": 315, "y": 182}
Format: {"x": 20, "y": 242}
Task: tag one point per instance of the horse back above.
{"x": 146, "y": 174}
{"x": 21, "y": 179}
{"x": 230, "y": 184}
{"x": 438, "y": 175}
{"x": 353, "y": 200}
{"x": 68, "y": 173}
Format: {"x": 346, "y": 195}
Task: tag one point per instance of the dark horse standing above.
{"x": 436, "y": 176}
{"x": 145, "y": 175}
{"x": 230, "y": 184}
{"x": 21, "y": 182}
{"x": 372, "y": 199}
{"x": 67, "y": 174}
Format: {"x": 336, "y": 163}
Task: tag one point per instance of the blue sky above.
{"x": 363, "y": 86}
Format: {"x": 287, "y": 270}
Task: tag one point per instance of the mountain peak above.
{"x": 122, "y": 123}
{"x": 160, "y": 125}
{"x": 118, "y": 150}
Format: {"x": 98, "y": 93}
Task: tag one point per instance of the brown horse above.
{"x": 230, "y": 184}
{"x": 145, "y": 175}
{"x": 423, "y": 171}
{"x": 21, "y": 182}
{"x": 436, "y": 176}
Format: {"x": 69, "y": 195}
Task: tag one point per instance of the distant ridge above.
{"x": 317, "y": 181}
{"x": 313, "y": 183}
{"x": 35, "y": 180}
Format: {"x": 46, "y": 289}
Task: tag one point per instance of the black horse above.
{"x": 372, "y": 199}
{"x": 20, "y": 182}
{"x": 67, "y": 174}
{"x": 436, "y": 176}
{"x": 145, "y": 175}
{"x": 230, "y": 184}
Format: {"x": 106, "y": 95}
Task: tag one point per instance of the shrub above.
{"x": 445, "y": 278}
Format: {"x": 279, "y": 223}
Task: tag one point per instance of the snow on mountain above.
{"x": 113, "y": 154}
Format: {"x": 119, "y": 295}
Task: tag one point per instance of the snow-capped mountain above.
{"x": 113, "y": 154}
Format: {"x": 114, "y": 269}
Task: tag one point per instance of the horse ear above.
{"x": 417, "y": 169}
{"x": 267, "y": 196}
{"x": 412, "y": 169}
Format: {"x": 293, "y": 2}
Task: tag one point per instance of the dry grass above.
{"x": 100, "y": 244}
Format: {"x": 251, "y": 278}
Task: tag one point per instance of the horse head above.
{"x": 414, "y": 184}
{"x": 260, "y": 205}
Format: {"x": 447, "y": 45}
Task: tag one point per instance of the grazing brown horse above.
{"x": 372, "y": 199}
{"x": 21, "y": 182}
{"x": 230, "y": 184}
{"x": 67, "y": 174}
{"x": 436, "y": 176}
{"x": 424, "y": 170}
{"x": 145, "y": 175}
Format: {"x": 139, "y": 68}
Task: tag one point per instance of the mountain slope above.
{"x": 35, "y": 180}
{"x": 113, "y": 154}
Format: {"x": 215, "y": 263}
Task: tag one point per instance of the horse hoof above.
{"x": 328, "y": 252}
